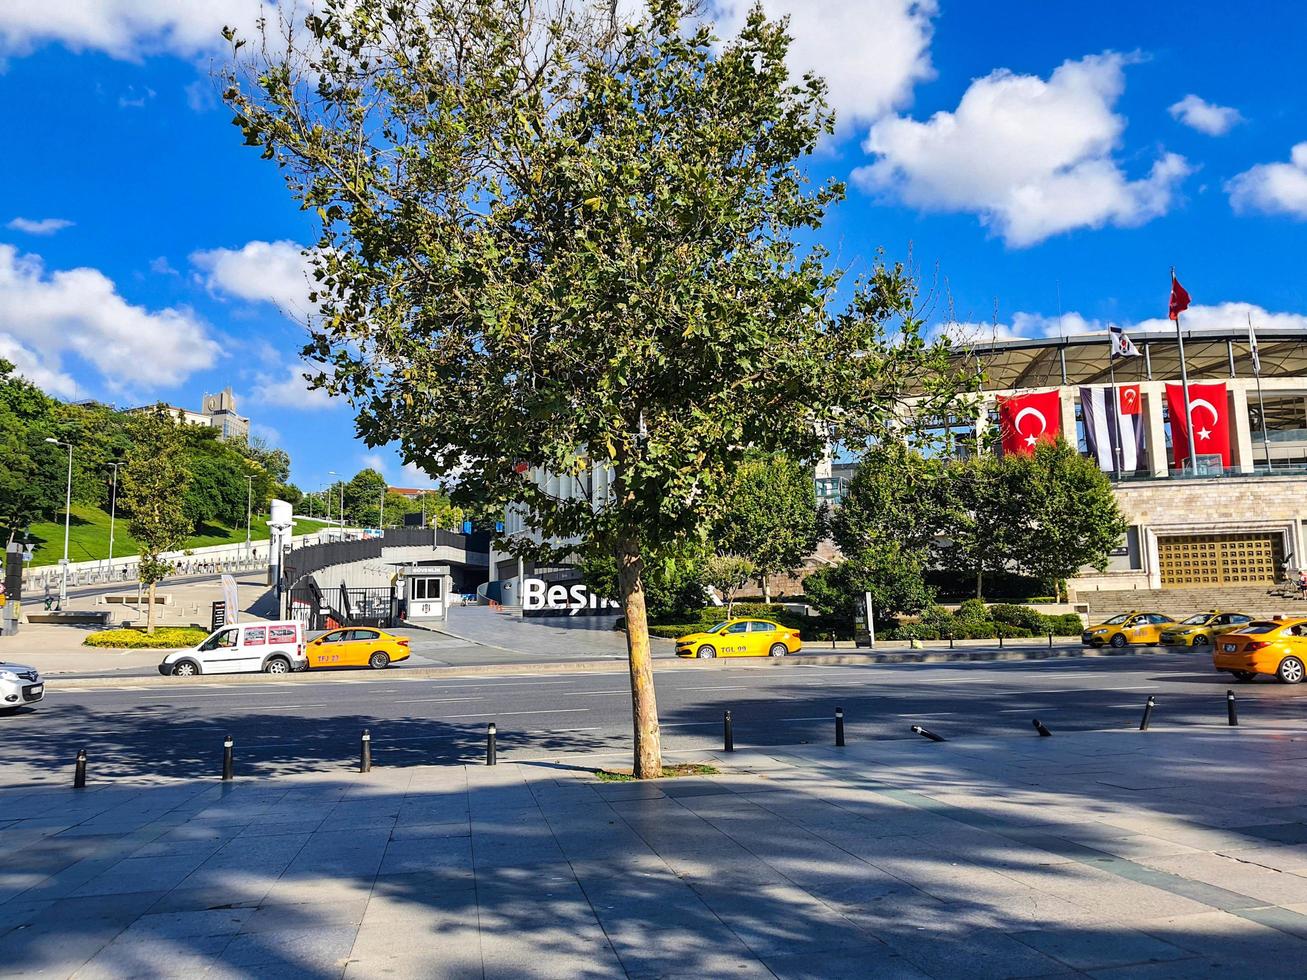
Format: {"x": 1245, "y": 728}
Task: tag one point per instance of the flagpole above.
{"x": 1261, "y": 405}
{"x": 1116, "y": 408}
{"x": 1184, "y": 384}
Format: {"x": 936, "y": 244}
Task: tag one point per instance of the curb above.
{"x": 611, "y": 665}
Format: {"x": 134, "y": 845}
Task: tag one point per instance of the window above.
{"x": 761, "y": 628}
{"x": 1157, "y": 620}
{"x": 256, "y": 636}
{"x": 424, "y": 588}
{"x": 283, "y": 634}
{"x": 738, "y": 628}
{"x": 363, "y": 634}
{"x": 335, "y": 637}
{"x": 221, "y": 641}
{"x": 1236, "y": 618}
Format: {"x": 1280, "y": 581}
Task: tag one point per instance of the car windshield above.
{"x": 1115, "y": 620}
{"x": 718, "y": 627}
{"x": 1261, "y": 628}
{"x": 1197, "y": 620}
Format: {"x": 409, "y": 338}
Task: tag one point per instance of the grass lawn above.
{"x": 88, "y": 536}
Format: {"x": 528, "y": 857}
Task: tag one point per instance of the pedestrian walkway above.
{"x": 1141, "y": 854}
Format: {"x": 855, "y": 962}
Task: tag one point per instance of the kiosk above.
{"x": 426, "y": 593}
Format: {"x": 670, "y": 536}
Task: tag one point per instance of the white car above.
{"x": 274, "y": 648}
{"x": 19, "y": 685}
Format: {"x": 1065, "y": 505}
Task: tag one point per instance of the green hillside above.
{"x": 88, "y": 536}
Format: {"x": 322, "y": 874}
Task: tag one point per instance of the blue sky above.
{"x": 1035, "y": 160}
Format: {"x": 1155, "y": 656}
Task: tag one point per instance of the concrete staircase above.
{"x": 1260, "y": 601}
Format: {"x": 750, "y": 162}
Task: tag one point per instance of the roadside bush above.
{"x": 1065, "y": 624}
{"x": 164, "y": 638}
{"x": 973, "y": 611}
{"x": 1023, "y": 617}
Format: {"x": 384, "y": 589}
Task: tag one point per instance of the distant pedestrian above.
{"x": 1302, "y": 584}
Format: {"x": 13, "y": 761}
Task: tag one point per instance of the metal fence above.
{"x": 322, "y": 609}
{"x": 311, "y": 558}
{"x": 47, "y": 579}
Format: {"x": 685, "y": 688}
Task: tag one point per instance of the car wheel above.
{"x": 379, "y": 660}
{"x": 1200, "y": 640}
{"x": 1291, "y": 670}
{"x": 1244, "y": 675}
{"x": 277, "y": 665}
{"x": 1119, "y": 641}
{"x": 705, "y": 652}
{"x": 185, "y": 668}
{"x": 777, "y": 650}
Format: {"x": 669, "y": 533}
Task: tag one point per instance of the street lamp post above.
{"x": 342, "y": 503}
{"x": 68, "y": 515}
{"x": 381, "y": 522}
{"x": 113, "y": 511}
{"x": 249, "y": 501}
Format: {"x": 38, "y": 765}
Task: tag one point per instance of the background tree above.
{"x": 728, "y": 574}
{"x": 31, "y": 471}
{"x": 770, "y": 516}
{"x": 153, "y": 493}
{"x": 552, "y": 238}
{"x": 674, "y": 588}
{"x": 363, "y": 497}
{"x": 893, "y": 575}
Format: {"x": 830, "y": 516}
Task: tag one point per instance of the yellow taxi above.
{"x": 355, "y": 646}
{"x": 740, "y": 638}
{"x": 1132, "y": 628}
{"x": 1201, "y": 629}
{"x": 1267, "y": 646}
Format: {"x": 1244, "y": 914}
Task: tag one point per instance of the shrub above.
{"x": 1023, "y": 617}
{"x": 1065, "y": 624}
{"x": 973, "y": 611}
{"x": 164, "y": 638}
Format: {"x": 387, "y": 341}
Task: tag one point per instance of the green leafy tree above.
{"x": 728, "y": 574}
{"x": 551, "y": 238}
{"x": 893, "y": 575}
{"x": 770, "y": 516}
{"x": 1060, "y": 512}
{"x": 32, "y": 474}
{"x": 674, "y": 588}
{"x": 363, "y": 497}
{"x": 153, "y": 493}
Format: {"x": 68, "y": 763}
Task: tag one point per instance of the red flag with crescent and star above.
{"x": 1130, "y": 400}
{"x": 1024, "y": 421}
{"x": 1179, "y": 298}
{"x": 1209, "y": 410}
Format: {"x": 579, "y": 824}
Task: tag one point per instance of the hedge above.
{"x": 164, "y": 638}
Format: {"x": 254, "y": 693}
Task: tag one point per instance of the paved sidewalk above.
{"x": 1159, "y": 854}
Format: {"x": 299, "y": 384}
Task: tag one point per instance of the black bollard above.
{"x": 924, "y": 733}
{"x": 79, "y": 772}
{"x": 1000, "y": 641}
{"x": 1050, "y": 641}
{"x": 950, "y": 641}
{"x": 226, "y": 759}
{"x": 1042, "y": 729}
{"x": 1231, "y": 712}
{"x": 365, "y": 752}
{"x": 1148, "y": 713}
{"x": 839, "y": 727}
{"x": 728, "y": 733}
{"x": 490, "y": 745}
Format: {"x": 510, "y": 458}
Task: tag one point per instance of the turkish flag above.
{"x": 1026, "y": 420}
{"x": 1179, "y": 298}
{"x": 1129, "y": 395}
{"x": 1209, "y": 410}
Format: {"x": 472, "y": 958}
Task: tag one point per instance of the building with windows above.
{"x": 1233, "y": 519}
{"x": 216, "y": 411}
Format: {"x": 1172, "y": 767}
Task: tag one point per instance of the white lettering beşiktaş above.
{"x": 536, "y": 595}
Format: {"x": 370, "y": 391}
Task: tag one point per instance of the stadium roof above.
{"x": 1082, "y": 359}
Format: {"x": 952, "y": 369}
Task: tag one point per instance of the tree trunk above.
{"x": 766, "y": 588}
{"x": 980, "y": 576}
{"x": 644, "y": 705}
{"x": 149, "y": 615}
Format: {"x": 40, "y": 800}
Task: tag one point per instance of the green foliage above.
{"x": 673, "y": 590}
{"x": 32, "y": 480}
{"x": 154, "y": 485}
{"x": 975, "y": 621}
{"x": 728, "y": 574}
{"x": 770, "y": 515}
{"x": 890, "y": 573}
{"x": 131, "y": 639}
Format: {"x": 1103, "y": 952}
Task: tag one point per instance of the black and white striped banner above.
{"x": 1100, "y": 417}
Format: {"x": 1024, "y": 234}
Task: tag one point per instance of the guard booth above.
{"x": 426, "y": 593}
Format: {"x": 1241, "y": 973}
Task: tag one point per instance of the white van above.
{"x": 275, "y": 648}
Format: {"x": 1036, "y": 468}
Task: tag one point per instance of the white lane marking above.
{"x": 265, "y": 707}
{"x": 1015, "y": 711}
{"x": 591, "y": 694}
{"x": 432, "y": 700}
{"x": 814, "y": 718}
{"x": 504, "y": 714}
{"x": 737, "y": 687}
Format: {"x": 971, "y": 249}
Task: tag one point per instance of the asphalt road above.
{"x": 307, "y": 723}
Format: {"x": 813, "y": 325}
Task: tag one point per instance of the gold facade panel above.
{"x": 1193, "y": 561}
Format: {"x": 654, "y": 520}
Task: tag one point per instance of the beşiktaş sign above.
{"x": 541, "y": 599}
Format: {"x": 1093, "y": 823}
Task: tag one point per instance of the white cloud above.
{"x": 127, "y": 29}
{"x": 871, "y": 52}
{"x": 1032, "y": 157}
{"x": 266, "y": 432}
{"x": 132, "y": 99}
{"x": 284, "y": 386}
{"x": 1199, "y": 114}
{"x": 80, "y": 311}
{"x": 33, "y": 366}
{"x": 416, "y": 477}
{"x": 373, "y": 461}
{"x": 259, "y": 272}
{"x": 1198, "y": 319}
{"x": 1275, "y": 188}
{"x": 42, "y": 226}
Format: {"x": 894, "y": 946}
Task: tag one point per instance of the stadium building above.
{"x": 1230, "y": 525}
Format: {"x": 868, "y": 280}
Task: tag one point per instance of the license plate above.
{"x": 36, "y": 689}
{"x": 1229, "y": 648}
